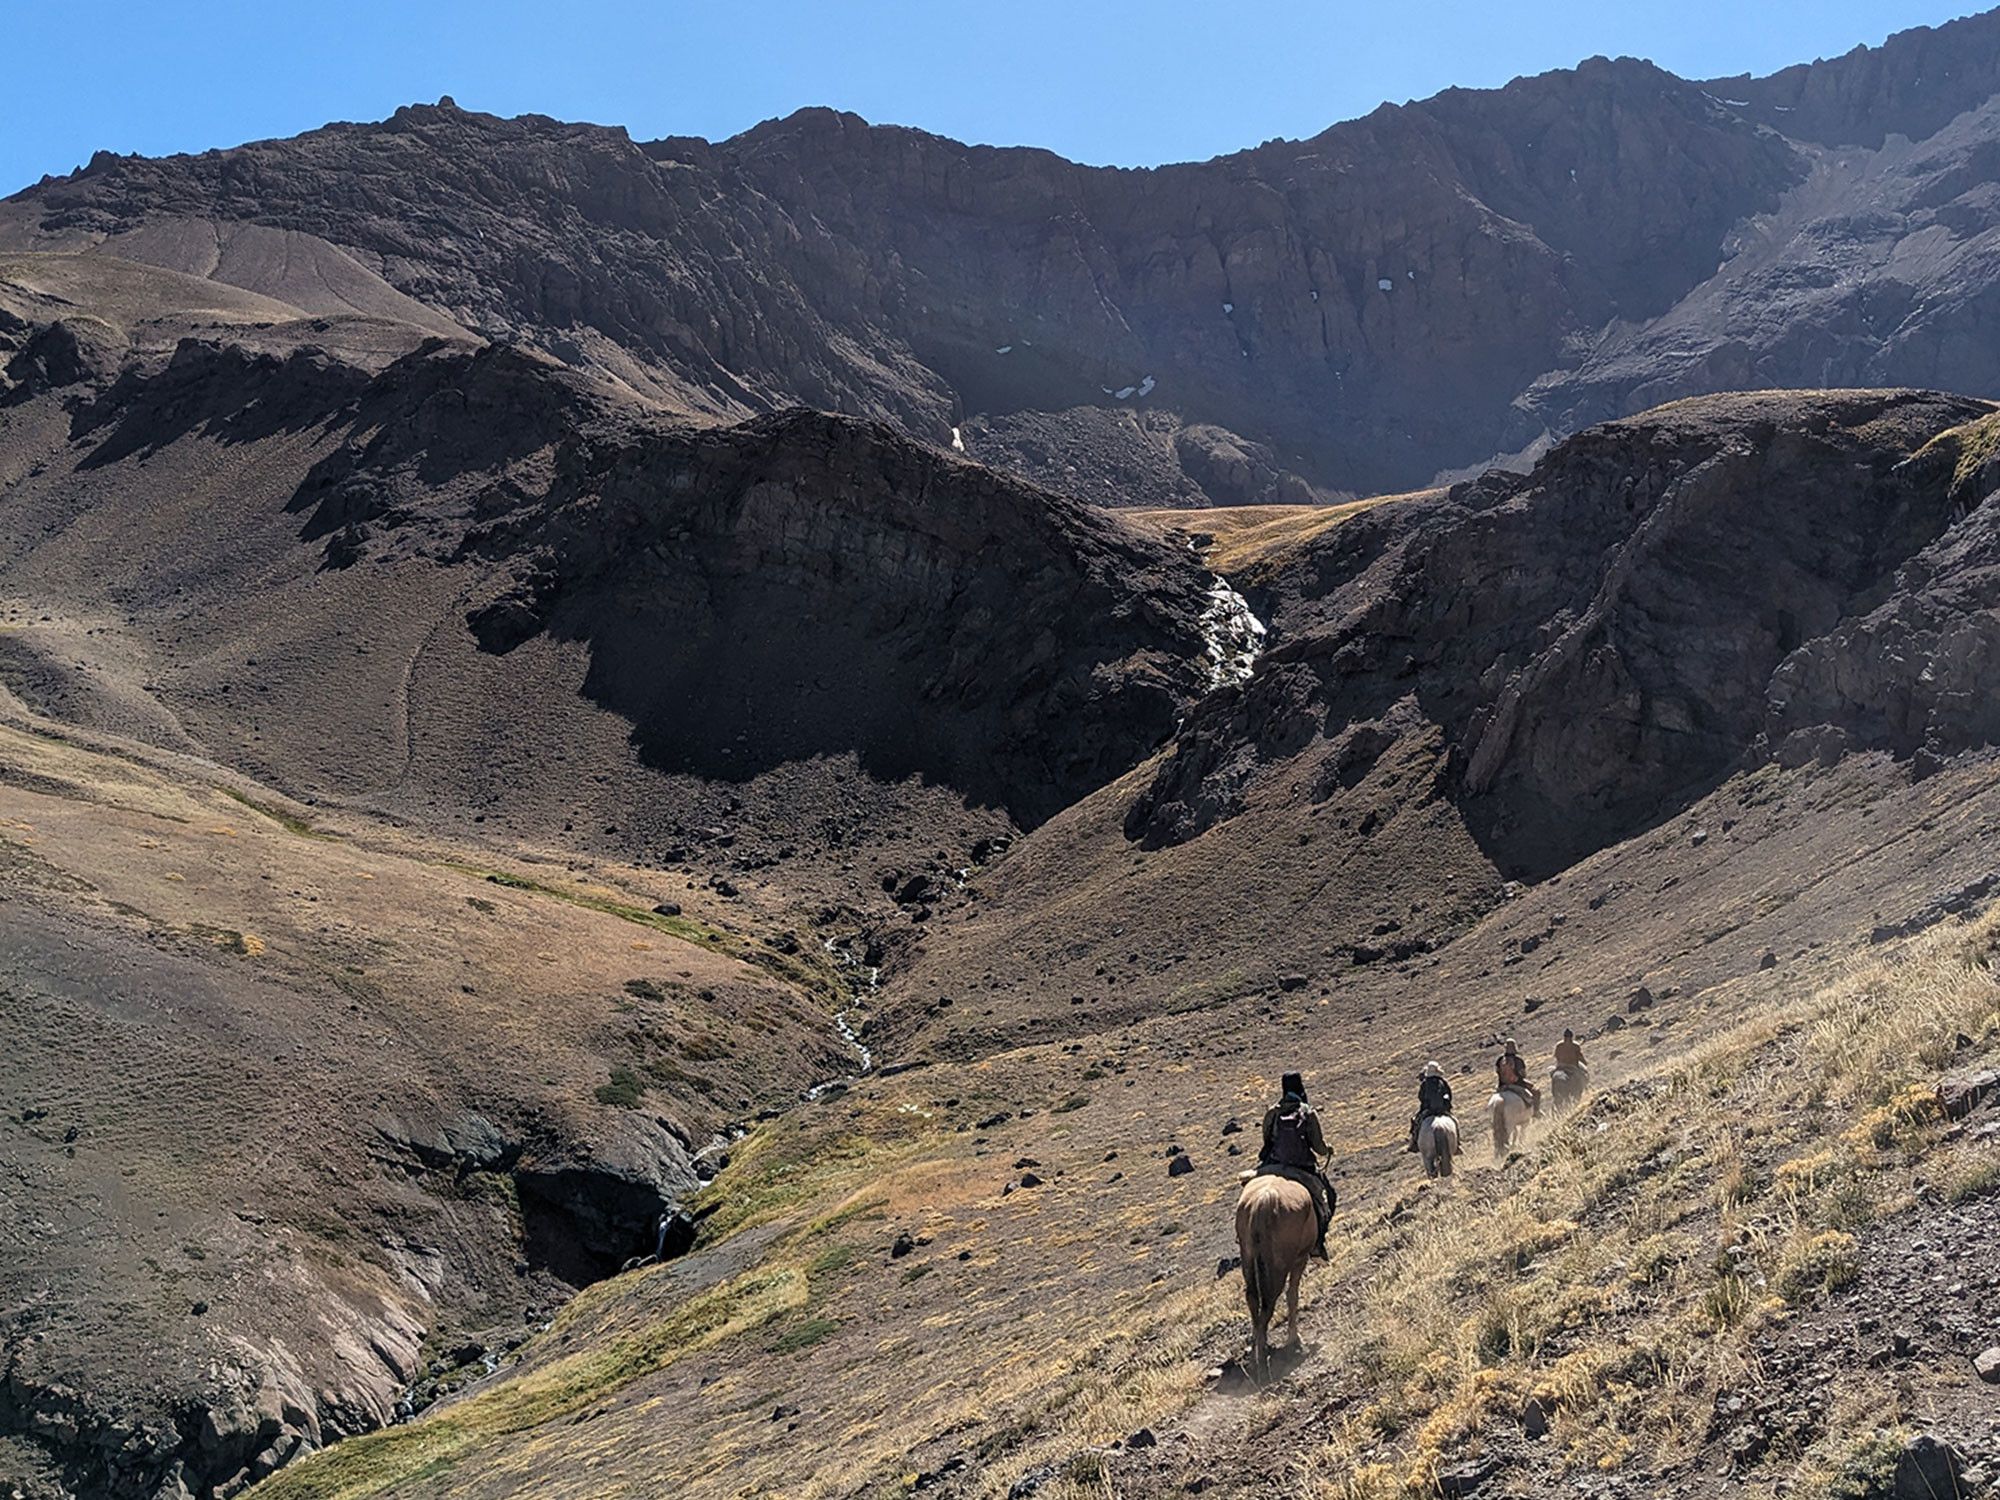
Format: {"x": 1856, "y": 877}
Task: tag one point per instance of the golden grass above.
{"x": 1252, "y": 541}
{"x": 1966, "y": 449}
{"x": 1616, "y": 1277}
{"x": 1618, "y": 1280}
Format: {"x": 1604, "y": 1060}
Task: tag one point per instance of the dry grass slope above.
{"x": 1622, "y": 1275}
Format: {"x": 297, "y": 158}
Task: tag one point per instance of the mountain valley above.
{"x": 667, "y": 809}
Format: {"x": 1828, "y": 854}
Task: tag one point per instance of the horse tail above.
{"x": 1253, "y": 1272}
{"x": 1263, "y": 1282}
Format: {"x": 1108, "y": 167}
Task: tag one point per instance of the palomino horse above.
{"x": 1511, "y": 1112}
{"x": 1276, "y": 1229}
{"x": 1437, "y": 1144}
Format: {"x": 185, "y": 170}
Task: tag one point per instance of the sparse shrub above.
{"x": 916, "y": 1273}
{"x": 1655, "y": 1259}
{"x": 1905, "y": 1112}
{"x": 1074, "y": 1101}
{"x": 1536, "y": 1239}
{"x": 703, "y": 1048}
{"x": 1859, "y": 1466}
{"x": 1727, "y": 1301}
{"x": 1824, "y": 1263}
{"x": 1973, "y": 1178}
{"x": 625, "y": 1090}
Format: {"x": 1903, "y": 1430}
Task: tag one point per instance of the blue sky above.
{"x": 1135, "y": 82}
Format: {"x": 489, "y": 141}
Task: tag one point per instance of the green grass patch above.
{"x": 1074, "y": 1101}
{"x": 1967, "y": 449}
{"x": 283, "y": 819}
{"x": 833, "y": 1258}
{"x": 624, "y": 1091}
{"x": 799, "y": 970}
{"x": 773, "y": 1171}
{"x": 804, "y": 1335}
{"x": 381, "y": 1461}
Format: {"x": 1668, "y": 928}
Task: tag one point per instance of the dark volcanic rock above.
{"x": 1411, "y": 292}
{"x": 797, "y": 587}
{"x": 1573, "y": 654}
{"x": 831, "y": 573}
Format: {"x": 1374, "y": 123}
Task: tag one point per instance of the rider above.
{"x": 1293, "y": 1146}
{"x": 1433, "y": 1099}
{"x": 1513, "y": 1071}
{"x": 1569, "y": 1056}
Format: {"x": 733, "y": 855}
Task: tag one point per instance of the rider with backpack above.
{"x": 1294, "y": 1146}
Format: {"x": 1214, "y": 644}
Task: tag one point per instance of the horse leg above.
{"x": 1253, "y": 1294}
{"x": 1292, "y": 1298}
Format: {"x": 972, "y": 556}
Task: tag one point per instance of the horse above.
{"x": 1437, "y": 1143}
{"x": 1276, "y": 1229}
{"x": 1566, "y": 1085}
{"x": 1511, "y": 1112}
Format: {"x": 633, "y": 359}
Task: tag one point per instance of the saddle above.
{"x": 1314, "y": 1183}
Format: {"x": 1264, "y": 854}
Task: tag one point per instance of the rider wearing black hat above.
{"x": 1294, "y": 1146}
{"x": 1433, "y": 1099}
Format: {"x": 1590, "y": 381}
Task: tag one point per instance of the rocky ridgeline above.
{"x": 1584, "y": 649}
{"x": 1409, "y": 293}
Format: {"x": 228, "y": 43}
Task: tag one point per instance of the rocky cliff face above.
{"x": 1414, "y": 292}
{"x": 1661, "y": 602}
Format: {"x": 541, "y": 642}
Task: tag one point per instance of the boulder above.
{"x": 1927, "y": 1469}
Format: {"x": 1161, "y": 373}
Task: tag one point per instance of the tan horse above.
{"x": 1276, "y": 1229}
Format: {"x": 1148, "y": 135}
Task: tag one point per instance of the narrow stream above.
{"x": 837, "y": 949}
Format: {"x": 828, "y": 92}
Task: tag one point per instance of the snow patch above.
{"x": 1127, "y": 392}
{"x": 1235, "y": 636}
{"x": 1386, "y": 284}
{"x": 957, "y": 441}
{"x": 1228, "y": 307}
{"x": 1004, "y": 349}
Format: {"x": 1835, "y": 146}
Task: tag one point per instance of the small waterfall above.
{"x": 1235, "y": 636}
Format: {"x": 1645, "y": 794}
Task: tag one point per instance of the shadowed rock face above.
{"x": 1660, "y": 603}
{"x": 1409, "y": 293}
{"x": 799, "y": 587}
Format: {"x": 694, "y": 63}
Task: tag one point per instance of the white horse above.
{"x": 1511, "y": 1112}
{"x": 1437, "y": 1143}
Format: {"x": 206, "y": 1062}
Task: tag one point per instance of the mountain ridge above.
{"x": 1413, "y": 292}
